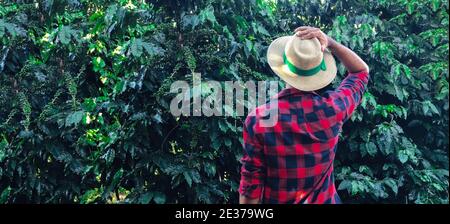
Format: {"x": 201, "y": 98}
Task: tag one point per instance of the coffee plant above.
{"x": 85, "y": 97}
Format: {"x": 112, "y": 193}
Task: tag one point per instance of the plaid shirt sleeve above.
{"x": 253, "y": 165}
{"x": 349, "y": 93}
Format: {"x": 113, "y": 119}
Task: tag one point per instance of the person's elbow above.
{"x": 360, "y": 67}
{"x": 365, "y": 68}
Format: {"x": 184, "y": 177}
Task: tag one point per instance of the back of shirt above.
{"x": 292, "y": 162}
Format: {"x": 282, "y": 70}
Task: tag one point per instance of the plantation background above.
{"x": 84, "y": 95}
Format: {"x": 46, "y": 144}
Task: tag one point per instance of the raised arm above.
{"x": 349, "y": 93}
{"x": 352, "y": 62}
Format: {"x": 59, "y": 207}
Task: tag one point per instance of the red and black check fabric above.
{"x": 292, "y": 162}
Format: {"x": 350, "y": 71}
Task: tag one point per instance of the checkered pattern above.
{"x": 292, "y": 162}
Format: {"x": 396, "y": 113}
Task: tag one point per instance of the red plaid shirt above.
{"x": 292, "y": 162}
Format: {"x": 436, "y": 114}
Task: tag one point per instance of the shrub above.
{"x": 85, "y": 97}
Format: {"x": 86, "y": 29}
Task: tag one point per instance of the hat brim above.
{"x": 304, "y": 83}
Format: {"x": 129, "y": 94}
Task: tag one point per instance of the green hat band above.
{"x": 322, "y": 66}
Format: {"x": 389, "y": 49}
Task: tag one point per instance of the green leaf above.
{"x": 207, "y": 14}
{"x": 425, "y": 108}
{"x": 4, "y": 196}
{"x": 392, "y": 184}
{"x": 77, "y": 166}
{"x": 227, "y": 142}
{"x": 157, "y": 118}
{"x": 190, "y": 21}
{"x": 89, "y": 104}
{"x": 98, "y": 63}
{"x": 3, "y": 146}
{"x": 74, "y": 118}
{"x": 342, "y": 20}
{"x": 222, "y": 126}
{"x": 146, "y": 198}
{"x": 210, "y": 168}
{"x": 120, "y": 87}
{"x": 195, "y": 176}
{"x": 60, "y": 154}
{"x": 216, "y": 144}
{"x": 188, "y": 178}
{"x": 90, "y": 196}
{"x": 344, "y": 185}
{"x": 109, "y": 156}
{"x": 66, "y": 33}
{"x": 402, "y": 156}
{"x": 263, "y": 30}
{"x": 433, "y": 107}
{"x": 248, "y": 47}
{"x": 159, "y": 197}
{"x": 152, "y": 50}
{"x": 13, "y": 29}
{"x": 136, "y": 47}
{"x": 435, "y": 5}
{"x": 116, "y": 179}
{"x": 355, "y": 188}
{"x": 410, "y": 7}
{"x": 371, "y": 148}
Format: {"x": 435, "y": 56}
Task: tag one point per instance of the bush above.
{"x": 85, "y": 97}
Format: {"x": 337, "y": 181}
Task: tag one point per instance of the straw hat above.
{"x": 301, "y": 63}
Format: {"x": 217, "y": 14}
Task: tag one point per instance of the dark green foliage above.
{"x": 84, "y": 95}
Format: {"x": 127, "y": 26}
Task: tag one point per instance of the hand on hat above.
{"x": 307, "y": 32}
